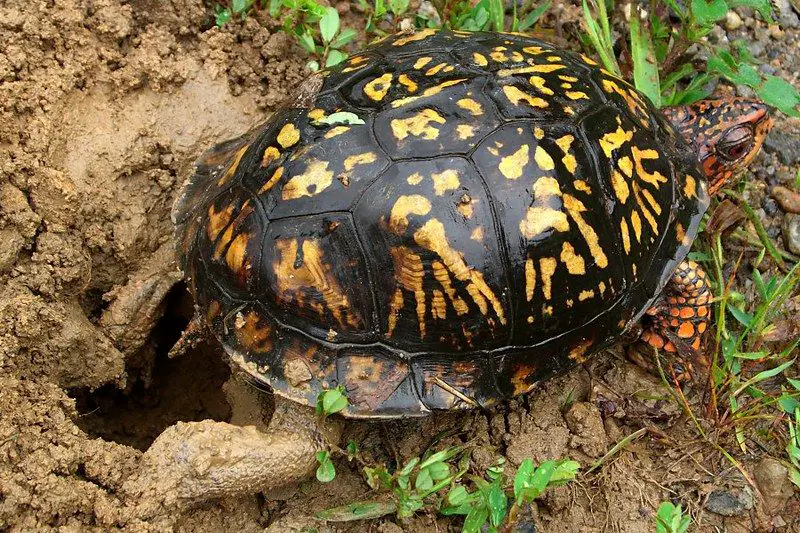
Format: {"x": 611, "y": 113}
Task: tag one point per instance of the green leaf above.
{"x": 764, "y": 7}
{"x": 475, "y": 519}
{"x": 541, "y": 476}
{"x": 794, "y": 382}
{"x": 743, "y": 317}
{"x": 240, "y": 6}
{"x": 357, "y": 511}
{"x": 424, "y": 480}
{"x": 498, "y": 503}
{"x": 344, "y": 37}
{"x": 334, "y": 57}
{"x": 531, "y": 18}
{"x": 333, "y": 401}
{"x": 565, "y": 470}
{"x": 438, "y": 471}
{"x": 707, "y": 13}
{"x": 780, "y": 93}
{"x": 329, "y": 24}
{"x": 788, "y": 403}
{"x": 221, "y": 15}
{"x": 443, "y": 455}
{"x": 497, "y": 14}
{"x": 751, "y": 356}
{"x": 340, "y": 117}
{"x": 457, "y": 495}
{"x": 398, "y": 7}
{"x": 325, "y": 471}
{"x": 306, "y": 40}
{"x": 645, "y": 67}
{"x": 275, "y": 8}
{"x": 764, "y": 374}
{"x": 522, "y": 478}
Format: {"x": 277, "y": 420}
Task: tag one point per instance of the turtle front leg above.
{"x": 191, "y": 462}
{"x": 677, "y": 323}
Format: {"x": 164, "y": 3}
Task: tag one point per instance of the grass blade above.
{"x": 645, "y": 67}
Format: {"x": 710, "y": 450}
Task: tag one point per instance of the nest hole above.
{"x": 160, "y": 391}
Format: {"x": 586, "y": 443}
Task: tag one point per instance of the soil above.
{"x": 104, "y": 107}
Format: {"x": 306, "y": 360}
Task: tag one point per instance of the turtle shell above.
{"x": 439, "y": 222}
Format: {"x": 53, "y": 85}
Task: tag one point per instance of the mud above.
{"x": 104, "y": 107}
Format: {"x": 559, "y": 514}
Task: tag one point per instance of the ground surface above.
{"x": 104, "y": 106}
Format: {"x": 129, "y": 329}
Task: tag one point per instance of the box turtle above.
{"x": 447, "y": 218}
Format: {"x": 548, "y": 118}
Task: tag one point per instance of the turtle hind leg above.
{"x": 677, "y": 323}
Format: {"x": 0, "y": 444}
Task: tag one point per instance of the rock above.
{"x": 776, "y": 32}
{"x": 772, "y": 479}
{"x": 788, "y": 199}
{"x": 733, "y": 21}
{"x": 784, "y": 143}
{"x": 791, "y": 233}
{"x": 730, "y": 502}
{"x": 787, "y": 16}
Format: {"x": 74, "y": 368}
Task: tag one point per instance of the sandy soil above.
{"x": 104, "y": 106}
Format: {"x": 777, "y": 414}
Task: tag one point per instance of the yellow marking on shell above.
{"x": 270, "y": 154}
{"x": 430, "y": 91}
{"x": 410, "y": 85}
{"x": 432, "y": 236}
{"x": 620, "y": 186}
{"x": 357, "y": 60}
{"x": 288, "y": 136}
{"x": 568, "y": 160}
{"x": 409, "y": 271}
{"x": 316, "y": 114}
{"x": 421, "y": 62}
{"x": 575, "y": 207}
{"x": 442, "y": 275}
{"x": 233, "y": 166}
{"x": 438, "y": 305}
{"x": 566, "y": 85}
{"x": 477, "y": 234}
{"x": 577, "y": 95}
{"x": 626, "y": 236}
{"x": 465, "y": 131}
{"x": 653, "y": 178}
{"x": 570, "y": 302}
{"x": 414, "y": 179}
{"x": 578, "y": 353}
{"x": 359, "y": 159}
{"x": 377, "y": 88}
{"x": 217, "y": 220}
{"x": 530, "y": 279}
{"x": 479, "y": 59}
{"x": 413, "y": 204}
{"x": 650, "y": 200}
{"x": 564, "y": 77}
{"x": 515, "y": 96}
{"x": 680, "y": 234}
{"x": 294, "y": 277}
{"x": 435, "y": 69}
{"x": 636, "y": 106}
{"x": 543, "y": 159}
{"x": 636, "y": 223}
{"x": 314, "y": 180}
{"x": 585, "y": 295}
{"x": 533, "y": 69}
{"x": 645, "y": 212}
{"x": 602, "y": 287}
{"x": 499, "y": 55}
{"x": 582, "y": 186}
{"x": 276, "y": 176}
{"x": 517, "y": 57}
{"x": 416, "y": 36}
{"x": 626, "y": 165}
{"x": 530, "y": 319}
{"x": 615, "y": 139}
{"x": 541, "y": 85}
{"x": 574, "y": 262}
{"x": 471, "y": 105}
{"x": 547, "y": 310}
{"x": 533, "y": 50}
{"x": 538, "y": 133}
{"x": 588, "y": 60}
{"x": 512, "y": 166}
{"x": 338, "y": 130}
{"x": 236, "y": 254}
{"x": 568, "y": 110}
{"x": 394, "y": 310}
{"x": 547, "y": 266}
{"x": 250, "y": 335}
{"x": 418, "y": 125}
{"x": 690, "y": 188}
{"x": 444, "y": 181}
{"x": 541, "y": 217}
{"x": 553, "y": 59}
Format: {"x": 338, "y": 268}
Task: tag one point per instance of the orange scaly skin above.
{"x": 726, "y": 135}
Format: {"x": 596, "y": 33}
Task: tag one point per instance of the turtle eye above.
{"x": 735, "y": 143}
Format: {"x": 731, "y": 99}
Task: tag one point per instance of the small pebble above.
{"x": 770, "y": 206}
{"x": 733, "y": 21}
{"x": 776, "y": 32}
{"x": 791, "y": 232}
{"x": 772, "y": 479}
{"x": 730, "y": 502}
{"x": 788, "y": 199}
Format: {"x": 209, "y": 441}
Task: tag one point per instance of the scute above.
{"x": 491, "y": 211}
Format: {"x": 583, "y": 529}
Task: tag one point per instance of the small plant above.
{"x": 670, "y": 519}
{"x": 658, "y": 59}
{"x": 482, "y": 500}
{"x": 793, "y": 445}
{"x": 330, "y": 402}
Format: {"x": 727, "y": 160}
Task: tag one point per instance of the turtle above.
{"x": 441, "y": 222}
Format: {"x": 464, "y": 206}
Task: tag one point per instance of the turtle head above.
{"x": 726, "y": 134}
